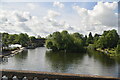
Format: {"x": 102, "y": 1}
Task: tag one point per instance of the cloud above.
{"x": 18, "y": 17}
{"x": 15, "y": 22}
{"x": 31, "y": 6}
{"x": 14, "y": 16}
{"x": 102, "y": 14}
{"x": 101, "y": 17}
{"x": 24, "y": 22}
{"x": 58, "y": 4}
{"x": 50, "y": 18}
{"x": 55, "y": 24}
{"x": 52, "y": 14}
{"x": 23, "y": 27}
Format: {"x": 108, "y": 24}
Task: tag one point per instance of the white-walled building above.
{"x": 14, "y": 45}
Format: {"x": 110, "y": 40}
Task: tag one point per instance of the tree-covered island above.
{"x": 108, "y": 42}
{"x": 63, "y": 41}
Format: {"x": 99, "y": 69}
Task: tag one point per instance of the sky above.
{"x": 44, "y": 18}
{"x": 57, "y": 0}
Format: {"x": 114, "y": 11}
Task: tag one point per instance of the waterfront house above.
{"x": 14, "y": 46}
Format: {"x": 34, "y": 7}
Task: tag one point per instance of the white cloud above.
{"x": 24, "y": 22}
{"x": 31, "y": 6}
{"x": 102, "y": 14}
{"x": 21, "y": 16}
{"x": 58, "y": 4}
{"x": 52, "y": 14}
{"x": 15, "y": 22}
{"x": 50, "y": 18}
{"x": 102, "y": 17}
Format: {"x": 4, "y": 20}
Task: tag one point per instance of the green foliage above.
{"x": 90, "y": 39}
{"x": 96, "y": 37}
{"x": 76, "y": 42}
{"x": 49, "y": 44}
{"x": 22, "y": 39}
{"x": 65, "y": 41}
{"x": 13, "y": 39}
{"x": 5, "y": 39}
{"x": 109, "y": 39}
{"x": 118, "y": 48}
{"x": 32, "y": 39}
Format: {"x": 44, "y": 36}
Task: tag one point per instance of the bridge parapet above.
{"x": 37, "y": 75}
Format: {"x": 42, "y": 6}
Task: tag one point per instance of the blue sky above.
{"x": 57, "y": 0}
{"x": 68, "y": 9}
{"x": 43, "y": 18}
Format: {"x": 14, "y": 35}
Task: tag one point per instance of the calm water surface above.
{"x": 39, "y": 59}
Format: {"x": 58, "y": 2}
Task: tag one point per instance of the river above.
{"x": 39, "y": 59}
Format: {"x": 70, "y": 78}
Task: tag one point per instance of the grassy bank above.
{"x": 109, "y": 52}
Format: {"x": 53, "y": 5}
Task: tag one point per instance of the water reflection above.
{"x": 110, "y": 63}
{"x": 22, "y": 56}
{"x": 92, "y": 62}
{"x": 5, "y": 59}
{"x": 61, "y": 61}
{"x": 102, "y": 58}
{"x": 19, "y": 56}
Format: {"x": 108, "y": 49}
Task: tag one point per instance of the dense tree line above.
{"x": 64, "y": 41}
{"x": 77, "y": 42}
{"x": 22, "y": 39}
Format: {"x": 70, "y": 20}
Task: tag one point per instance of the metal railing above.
{"x": 37, "y": 75}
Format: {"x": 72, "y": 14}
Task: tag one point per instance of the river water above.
{"x": 39, "y": 59}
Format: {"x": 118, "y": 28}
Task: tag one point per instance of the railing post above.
{"x": 35, "y": 78}
{"x": 15, "y": 78}
{"x": 25, "y": 78}
{"x": 4, "y": 78}
{"x": 46, "y": 79}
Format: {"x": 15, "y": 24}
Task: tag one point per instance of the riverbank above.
{"x": 109, "y": 52}
{"x": 12, "y": 52}
{"x": 112, "y": 52}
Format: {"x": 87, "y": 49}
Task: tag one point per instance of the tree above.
{"x": 54, "y": 41}
{"x": 100, "y": 43}
{"x": 16, "y": 39}
{"x": 32, "y": 39}
{"x": 24, "y": 39}
{"x": 49, "y": 44}
{"x": 90, "y": 39}
{"x": 85, "y": 37}
{"x": 109, "y": 39}
{"x": 77, "y": 35}
{"x": 5, "y": 39}
{"x": 13, "y": 39}
{"x": 96, "y": 37}
{"x": 65, "y": 41}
